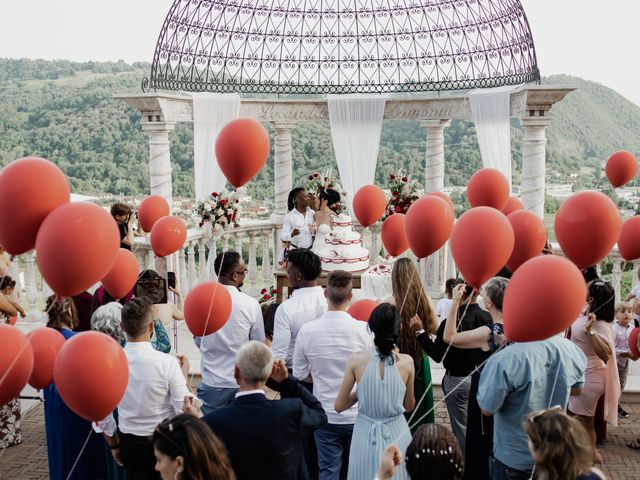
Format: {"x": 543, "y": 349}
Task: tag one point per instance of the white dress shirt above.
{"x": 621, "y": 342}
{"x": 155, "y": 391}
{"x": 218, "y": 350}
{"x": 304, "y": 305}
{"x": 295, "y": 219}
{"x": 442, "y": 310}
{"x": 322, "y": 350}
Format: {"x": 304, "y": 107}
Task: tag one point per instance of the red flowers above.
{"x": 316, "y": 175}
{"x": 310, "y": 177}
{"x": 394, "y": 193}
{"x": 223, "y": 202}
{"x": 392, "y": 177}
{"x": 405, "y": 179}
{"x": 214, "y": 194}
{"x": 266, "y": 296}
{"x": 263, "y": 291}
{"x": 399, "y": 209}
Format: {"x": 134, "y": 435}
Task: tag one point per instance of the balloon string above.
{"x": 80, "y": 454}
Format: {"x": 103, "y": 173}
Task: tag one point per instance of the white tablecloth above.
{"x": 376, "y": 282}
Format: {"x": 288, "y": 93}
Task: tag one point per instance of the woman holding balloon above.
{"x": 66, "y": 432}
{"x": 593, "y": 334}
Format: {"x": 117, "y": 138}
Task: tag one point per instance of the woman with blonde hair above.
{"x": 411, "y": 299}
{"x": 560, "y": 446}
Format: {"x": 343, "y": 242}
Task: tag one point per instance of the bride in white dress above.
{"x": 323, "y": 218}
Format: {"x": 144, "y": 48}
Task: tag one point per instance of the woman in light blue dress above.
{"x": 384, "y": 393}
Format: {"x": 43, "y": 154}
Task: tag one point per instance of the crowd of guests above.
{"x": 354, "y": 399}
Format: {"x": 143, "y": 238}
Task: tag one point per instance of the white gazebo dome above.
{"x": 342, "y": 46}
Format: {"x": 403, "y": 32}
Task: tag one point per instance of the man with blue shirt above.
{"x": 521, "y": 379}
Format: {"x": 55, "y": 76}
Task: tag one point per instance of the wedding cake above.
{"x": 342, "y": 249}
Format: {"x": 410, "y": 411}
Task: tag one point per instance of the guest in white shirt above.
{"x": 218, "y": 350}
{"x": 321, "y": 352}
{"x": 442, "y": 310}
{"x": 297, "y": 225}
{"x": 305, "y": 304}
{"x": 621, "y": 331}
{"x": 156, "y": 390}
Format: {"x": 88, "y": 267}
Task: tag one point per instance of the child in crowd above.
{"x": 442, "y": 310}
{"x": 635, "y": 296}
{"x": 7, "y": 285}
{"x": 621, "y": 331}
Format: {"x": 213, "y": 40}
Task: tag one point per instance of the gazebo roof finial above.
{"x": 342, "y": 46}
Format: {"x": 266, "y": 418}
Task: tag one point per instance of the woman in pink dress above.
{"x": 592, "y": 332}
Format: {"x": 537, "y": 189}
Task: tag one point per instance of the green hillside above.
{"x": 64, "y": 111}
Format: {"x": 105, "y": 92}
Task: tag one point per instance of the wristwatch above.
{"x": 419, "y": 332}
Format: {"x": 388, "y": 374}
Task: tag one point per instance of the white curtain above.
{"x": 211, "y": 112}
{"x": 356, "y": 123}
{"x": 491, "y": 114}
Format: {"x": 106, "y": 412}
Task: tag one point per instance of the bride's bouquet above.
{"x": 404, "y": 192}
{"x": 221, "y": 210}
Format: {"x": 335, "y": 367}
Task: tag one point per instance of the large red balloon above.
{"x": 543, "y": 298}
{"x": 46, "y": 343}
{"x": 151, "y": 210}
{"x": 207, "y": 308}
{"x": 428, "y": 224}
{"x": 30, "y": 188}
{"x": 513, "y": 204}
{"x": 633, "y": 342}
{"x": 621, "y": 167}
{"x": 76, "y": 247}
{"x": 530, "y": 236}
{"x": 242, "y": 148}
{"x": 369, "y": 203}
{"x": 587, "y": 227}
{"x": 629, "y": 239}
{"x": 444, "y": 197}
{"x": 481, "y": 243}
{"x": 488, "y": 187}
{"x": 393, "y": 236}
{"x": 168, "y": 235}
{"x": 16, "y": 362}
{"x": 361, "y": 310}
{"x": 91, "y": 374}
{"x": 123, "y": 275}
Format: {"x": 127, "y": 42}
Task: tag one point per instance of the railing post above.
{"x": 182, "y": 275}
{"x": 617, "y": 275}
{"x": 32, "y": 288}
{"x": 202, "y": 260}
{"x": 253, "y": 264}
{"x": 238, "y": 243}
{"x": 266, "y": 262}
{"x": 191, "y": 260}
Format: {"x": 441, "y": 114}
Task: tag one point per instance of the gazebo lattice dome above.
{"x": 342, "y": 46}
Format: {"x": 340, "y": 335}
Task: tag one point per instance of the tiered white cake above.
{"x": 343, "y": 248}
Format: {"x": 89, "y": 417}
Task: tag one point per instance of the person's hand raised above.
{"x": 191, "y": 406}
{"x": 591, "y": 320}
{"x": 458, "y": 292}
{"x": 416, "y": 324}
{"x": 391, "y": 458}
{"x": 279, "y": 373}
{"x": 184, "y": 364}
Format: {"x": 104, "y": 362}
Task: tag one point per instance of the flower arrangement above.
{"x": 220, "y": 210}
{"x": 403, "y": 193}
{"x": 318, "y": 182}
{"x": 267, "y": 296}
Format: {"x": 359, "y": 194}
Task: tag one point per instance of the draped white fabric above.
{"x": 491, "y": 114}
{"x": 211, "y": 112}
{"x": 356, "y": 123}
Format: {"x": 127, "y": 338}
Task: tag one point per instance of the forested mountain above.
{"x": 65, "y": 111}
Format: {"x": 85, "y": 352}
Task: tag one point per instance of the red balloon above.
{"x": 629, "y": 239}
{"x": 151, "y": 210}
{"x": 488, "y": 187}
{"x": 123, "y": 275}
{"x": 76, "y": 247}
{"x": 481, "y": 243}
{"x": 16, "y": 362}
{"x": 46, "y": 343}
{"x": 530, "y": 236}
{"x": 428, "y": 224}
{"x": 362, "y": 309}
{"x": 207, "y": 308}
{"x": 513, "y": 204}
{"x": 168, "y": 235}
{"x": 242, "y": 148}
{"x": 393, "y": 236}
{"x": 30, "y": 188}
{"x": 621, "y": 167}
{"x": 633, "y": 342}
{"x": 444, "y": 197}
{"x": 587, "y": 227}
{"x": 13, "y": 320}
{"x": 369, "y": 203}
{"x": 91, "y": 374}
{"x": 543, "y": 298}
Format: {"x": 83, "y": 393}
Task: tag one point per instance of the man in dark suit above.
{"x": 264, "y": 438}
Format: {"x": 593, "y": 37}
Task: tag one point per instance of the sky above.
{"x": 591, "y": 39}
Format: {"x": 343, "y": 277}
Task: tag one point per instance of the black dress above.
{"x": 124, "y": 229}
{"x": 479, "y": 435}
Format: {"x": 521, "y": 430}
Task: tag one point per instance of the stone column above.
{"x": 283, "y": 169}
{"x": 159, "y": 157}
{"x": 434, "y": 266}
{"x": 434, "y": 171}
{"x": 534, "y": 145}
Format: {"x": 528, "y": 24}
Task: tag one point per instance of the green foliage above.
{"x": 65, "y": 111}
